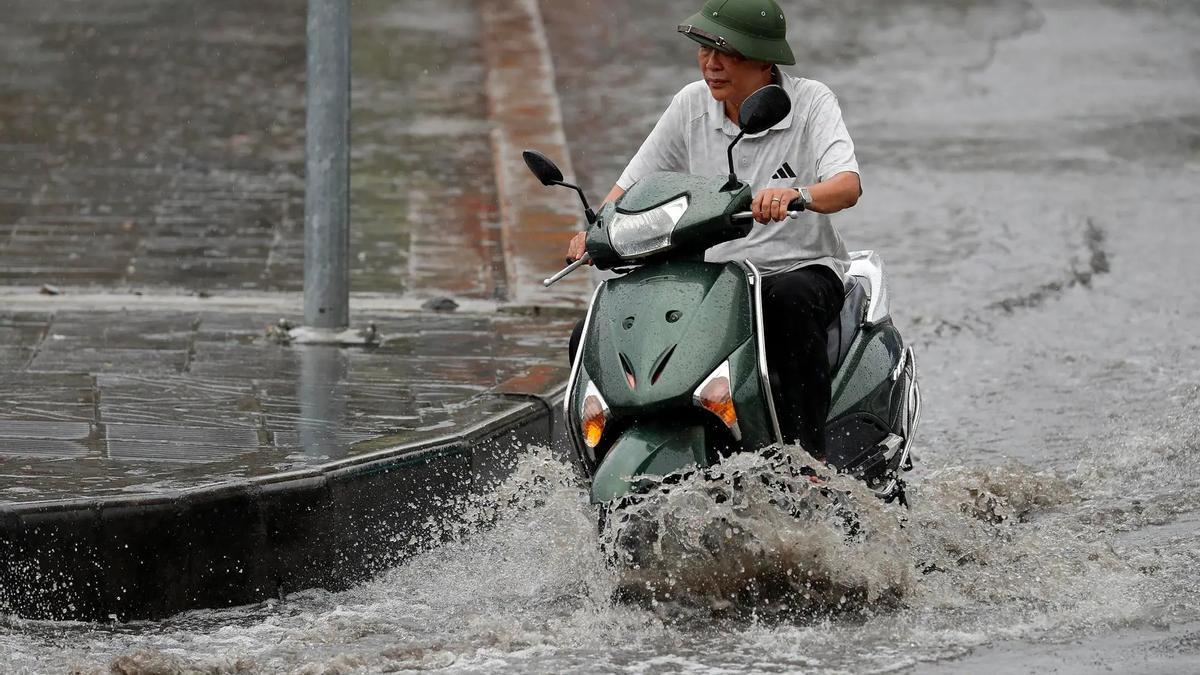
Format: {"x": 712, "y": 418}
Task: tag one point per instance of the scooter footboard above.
{"x": 644, "y": 450}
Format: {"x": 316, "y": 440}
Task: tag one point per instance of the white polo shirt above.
{"x": 810, "y": 145}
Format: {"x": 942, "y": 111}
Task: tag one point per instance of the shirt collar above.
{"x": 718, "y": 120}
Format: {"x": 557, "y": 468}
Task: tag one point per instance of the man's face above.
{"x": 731, "y": 77}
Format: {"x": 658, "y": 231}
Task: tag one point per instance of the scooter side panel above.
{"x": 864, "y": 382}
{"x": 658, "y": 331}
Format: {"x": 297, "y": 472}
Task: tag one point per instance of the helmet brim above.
{"x": 703, "y": 30}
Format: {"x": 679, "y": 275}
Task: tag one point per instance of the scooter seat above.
{"x": 843, "y": 330}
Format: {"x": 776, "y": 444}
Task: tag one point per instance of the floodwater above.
{"x": 1031, "y": 173}
{"x": 990, "y": 562}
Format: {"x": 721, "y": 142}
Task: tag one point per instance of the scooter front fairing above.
{"x": 671, "y": 345}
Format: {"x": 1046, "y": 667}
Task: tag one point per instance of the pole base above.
{"x": 285, "y": 334}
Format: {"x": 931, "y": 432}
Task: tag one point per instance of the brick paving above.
{"x": 100, "y": 403}
{"x": 148, "y": 144}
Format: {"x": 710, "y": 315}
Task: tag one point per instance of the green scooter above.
{"x": 671, "y": 374}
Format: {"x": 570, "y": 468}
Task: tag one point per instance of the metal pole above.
{"x": 327, "y": 167}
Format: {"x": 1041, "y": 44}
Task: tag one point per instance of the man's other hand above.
{"x": 770, "y": 204}
{"x": 576, "y": 248}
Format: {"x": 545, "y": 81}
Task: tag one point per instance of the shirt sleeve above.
{"x": 665, "y": 149}
{"x": 832, "y": 143}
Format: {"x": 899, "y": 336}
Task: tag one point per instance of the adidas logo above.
{"x": 784, "y": 171}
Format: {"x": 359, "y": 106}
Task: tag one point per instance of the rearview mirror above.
{"x": 545, "y": 170}
{"x": 763, "y": 109}
{"x": 549, "y": 174}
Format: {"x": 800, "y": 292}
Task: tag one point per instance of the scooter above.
{"x": 671, "y": 374}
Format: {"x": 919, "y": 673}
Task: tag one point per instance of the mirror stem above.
{"x": 733, "y": 181}
{"x": 587, "y": 210}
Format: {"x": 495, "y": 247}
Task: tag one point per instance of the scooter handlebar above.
{"x": 795, "y": 208}
{"x": 566, "y": 270}
{"x": 792, "y": 212}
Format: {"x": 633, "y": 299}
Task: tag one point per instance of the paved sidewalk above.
{"x": 109, "y": 403}
{"x": 151, "y": 183}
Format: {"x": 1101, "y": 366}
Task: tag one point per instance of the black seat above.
{"x": 842, "y": 331}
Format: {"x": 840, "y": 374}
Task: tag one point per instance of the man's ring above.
{"x": 775, "y": 200}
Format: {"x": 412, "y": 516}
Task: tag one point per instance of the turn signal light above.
{"x": 714, "y": 395}
{"x": 593, "y": 414}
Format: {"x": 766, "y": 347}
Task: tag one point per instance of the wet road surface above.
{"x": 1030, "y": 172}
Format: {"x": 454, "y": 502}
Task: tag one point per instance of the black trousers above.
{"x": 798, "y": 307}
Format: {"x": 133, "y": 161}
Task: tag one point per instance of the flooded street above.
{"x": 1031, "y": 173}
{"x": 995, "y": 564}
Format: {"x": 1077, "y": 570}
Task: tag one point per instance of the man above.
{"x": 809, "y": 155}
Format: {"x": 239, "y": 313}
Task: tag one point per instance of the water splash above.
{"x": 761, "y": 534}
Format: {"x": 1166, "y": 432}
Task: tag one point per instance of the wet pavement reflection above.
{"x": 321, "y": 393}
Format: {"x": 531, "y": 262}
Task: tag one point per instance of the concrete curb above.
{"x": 332, "y": 526}
{"x": 246, "y": 541}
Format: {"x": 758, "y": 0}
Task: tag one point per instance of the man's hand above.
{"x": 771, "y": 204}
{"x": 576, "y": 248}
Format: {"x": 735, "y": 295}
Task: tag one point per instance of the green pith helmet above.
{"x": 754, "y": 29}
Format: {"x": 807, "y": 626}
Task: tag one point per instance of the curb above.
{"x": 336, "y": 525}
{"x": 146, "y": 557}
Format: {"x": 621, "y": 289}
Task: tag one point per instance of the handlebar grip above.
{"x": 796, "y": 204}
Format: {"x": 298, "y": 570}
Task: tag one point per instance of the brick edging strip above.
{"x": 536, "y": 221}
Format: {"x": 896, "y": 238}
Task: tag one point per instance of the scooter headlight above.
{"x": 593, "y": 415}
{"x": 638, "y": 234}
{"x": 716, "y": 396}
